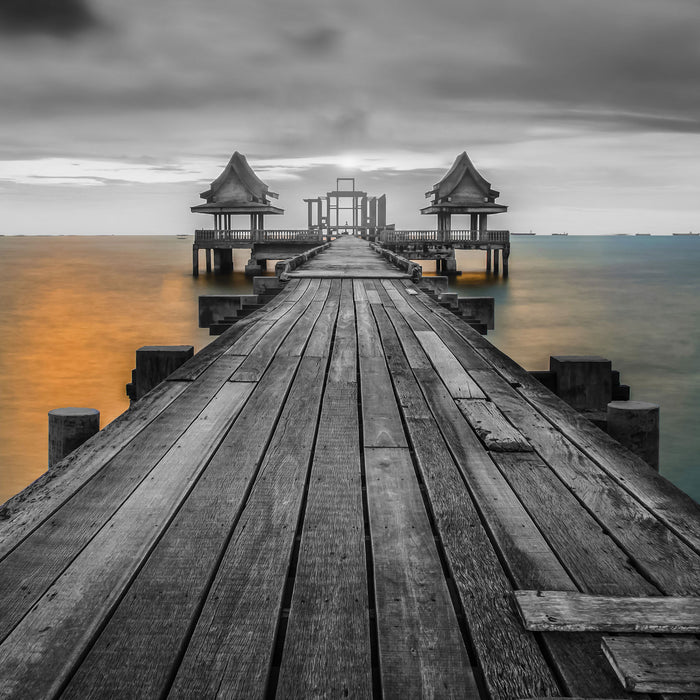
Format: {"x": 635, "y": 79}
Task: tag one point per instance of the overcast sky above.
{"x": 585, "y": 114}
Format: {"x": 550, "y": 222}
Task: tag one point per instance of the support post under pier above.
{"x": 195, "y": 261}
{"x": 488, "y": 259}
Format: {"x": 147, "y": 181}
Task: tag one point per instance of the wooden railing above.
{"x": 444, "y": 236}
{"x": 257, "y": 236}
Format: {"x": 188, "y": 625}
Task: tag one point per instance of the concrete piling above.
{"x": 68, "y": 429}
{"x": 635, "y": 424}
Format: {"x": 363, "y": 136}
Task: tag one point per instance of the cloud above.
{"x": 60, "y": 18}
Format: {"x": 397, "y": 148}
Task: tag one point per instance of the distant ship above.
{"x": 181, "y": 235}
{"x": 642, "y": 234}
{"x": 560, "y": 234}
{"x": 690, "y": 233}
{"x": 523, "y": 234}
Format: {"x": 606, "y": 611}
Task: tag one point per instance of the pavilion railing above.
{"x": 444, "y": 236}
{"x": 257, "y": 236}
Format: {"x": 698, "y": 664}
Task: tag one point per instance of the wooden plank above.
{"x": 421, "y": 650}
{"x": 140, "y": 646}
{"x": 39, "y": 654}
{"x": 427, "y": 309}
{"x": 381, "y": 421}
{"x": 567, "y": 611}
{"x": 359, "y": 293}
{"x": 497, "y": 434}
{"x": 510, "y": 659}
{"x": 327, "y": 644}
{"x": 194, "y": 367}
{"x": 320, "y": 340}
{"x": 411, "y": 346}
{"x": 655, "y": 665}
{"x": 297, "y": 323}
{"x": 367, "y": 336}
{"x": 458, "y": 382}
{"x": 654, "y": 550}
{"x": 22, "y": 513}
{"x": 240, "y": 616}
{"x": 592, "y": 558}
{"x": 27, "y": 572}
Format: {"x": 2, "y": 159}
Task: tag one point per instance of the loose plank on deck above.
{"x": 655, "y": 664}
{"x": 565, "y": 611}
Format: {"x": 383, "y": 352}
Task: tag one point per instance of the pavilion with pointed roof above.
{"x": 238, "y": 190}
{"x": 463, "y": 190}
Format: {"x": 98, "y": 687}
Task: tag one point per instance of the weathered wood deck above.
{"x": 335, "y": 498}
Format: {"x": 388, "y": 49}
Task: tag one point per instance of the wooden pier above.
{"x": 338, "y": 497}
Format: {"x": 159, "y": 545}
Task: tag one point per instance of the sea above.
{"x": 74, "y": 309}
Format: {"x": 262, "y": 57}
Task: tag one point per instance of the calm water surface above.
{"x": 73, "y": 310}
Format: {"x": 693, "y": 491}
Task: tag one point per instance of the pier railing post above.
{"x": 68, "y": 429}
{"x": 153, "y": 364}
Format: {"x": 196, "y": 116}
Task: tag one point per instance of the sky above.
{"x": 584, "y": 114}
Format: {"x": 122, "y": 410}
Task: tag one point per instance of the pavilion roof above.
{"x": 462, "y": 184}
{"x": 236, "y": 189}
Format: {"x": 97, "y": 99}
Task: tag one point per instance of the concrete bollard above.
{"x": 69, "y": 428}
{"x": 635, "y": 424}
{"x": 153, "y": 364}
{"x": 583, "y": 381}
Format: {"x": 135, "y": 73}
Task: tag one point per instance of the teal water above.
{"x": 73, "y": 310}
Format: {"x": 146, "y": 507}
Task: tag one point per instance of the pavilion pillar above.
{"x": 207, "y": 253}
{"x": 506, "y": 255}
{"x": 474, "y": 227}
{"x": 320, "y": 217}
{"x": 310, "y": 217}
{"x": 483, "y": 227}
{"x": 488, "y": 259}
{"x": 496, "y": 265}
{"x": 195, "y": 260}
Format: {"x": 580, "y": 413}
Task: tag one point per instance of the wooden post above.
{"x": 488, "y": 259}
{"x": 583, "y": 381}
{"x": 154, "y": 363}
{"x": 506, "y": 255}
{"x": 636, "y": 425}
{"x": 207, "y": 252}
{"x": 496, "y": 264}
{"x": 69, "y": 428}
{"x": 195, "y": 260}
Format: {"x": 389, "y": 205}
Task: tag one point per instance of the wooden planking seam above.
{"x": 29, "y": 569}
{"x": 521, "y": 546}
{"x": 24, "y": 512}
{"x": 188, "y": 566}
{"x": 482, "y": 587}
{"x": 63, "y": 622}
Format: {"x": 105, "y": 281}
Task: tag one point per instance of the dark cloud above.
{"x": 61, "y": 18}
{"x": 316, "y": 41}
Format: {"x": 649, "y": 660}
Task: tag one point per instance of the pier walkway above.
{"x": 337, "y": 497}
